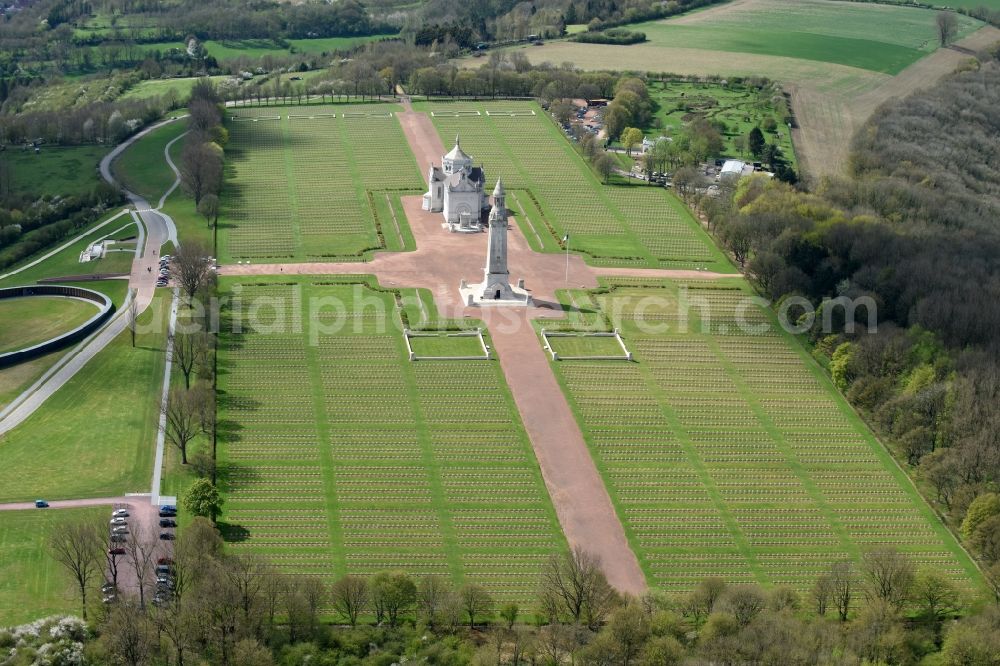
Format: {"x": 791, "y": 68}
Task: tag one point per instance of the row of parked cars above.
{"x": 164, "y": 276}
{"x": 165, "y": 565}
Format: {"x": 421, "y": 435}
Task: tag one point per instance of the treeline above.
{"x": 912, "y": 240}
{"x": 238, "y": 609}
{"x": 618, "y": 36}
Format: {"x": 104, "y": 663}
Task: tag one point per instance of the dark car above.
{"x": 163, "y": 569}
{"x": 118, "y": 538}
{"x": 168, "y": 522}
{"x": 165, "y": 560}
{"x": 41, "y": 504}
{"x": 167, "y": 536}
{"x": 116, "y": 551}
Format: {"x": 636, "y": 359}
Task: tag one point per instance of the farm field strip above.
{"x": 617, "y": 225}
{"x": 727, "y": 455}
{"x": 302, "y": 188}
{"x": 345, "y": 457}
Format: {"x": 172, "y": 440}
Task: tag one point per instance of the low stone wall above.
{"x": 106, "y": 309}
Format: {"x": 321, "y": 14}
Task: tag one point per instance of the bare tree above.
{"x": 113, "y": 560}
{"x": 191, "y": 268}
{"x": 128, "y": 634}
{"x": 349, "y": 596}
{"x": 183, "y": 421}
{"x": 947, "y": 26}
{"x": 605, "y": 165}
{"x": 476, "y": 602}
{"x": 745, "y": 602}
{"x": 189, "y": 351}
{"x": 132, "y": 315}
{"x": 576, "y": 584}
{"x": 209, "y": 208}
{"x": 842, "y": 581}
{"x": 821, "y": 592}
{"x": 247, "y": 572}
{"x": 889, "y": 575}
{"x": 77, "y": 546}
{"x": 140, "y": 550}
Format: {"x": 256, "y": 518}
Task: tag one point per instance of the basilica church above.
{"x": 457, "y": 191}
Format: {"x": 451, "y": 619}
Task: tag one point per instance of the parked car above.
{"x": 117, "y": 550}
{"x": 108, "y": 587}
{"x": 167, "y": 536}
{"x": 168, "y": 512}
{"x": 118, "y": 521}
{"x": 168, "y": 522}
{"x": 119, "y": 529}
{"x": 110, "y": 598}
{"x": 41, "y": 504}
{"x": 165, "y": 560}
{"x": 119, "y": 538}
{"x": 119, "y": 513}
{"x": 162, "y": 569}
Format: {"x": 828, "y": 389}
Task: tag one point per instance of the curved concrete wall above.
{"x": 107, "y": 308}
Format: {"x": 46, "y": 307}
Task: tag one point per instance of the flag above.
{"x": 566, "y": 238}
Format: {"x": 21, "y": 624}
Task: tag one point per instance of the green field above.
{"x": 55, "y": 170}
{"x": 865, "y": 35}
{"x": 739, "y": 109}
{"x": 28, "y": 321}
{"x": 342, "y": 456}
{"x": 142, "y": 167}
{"x": 553, "y": 188}
{"x": 304, "y": 185}
{"x": 32, "y": 584}
{"x": 446, "y": 345}
{"x": 102, "y": 421}
{"x": 728, "y": 453}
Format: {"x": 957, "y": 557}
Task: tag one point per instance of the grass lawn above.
{"x": 868, "y": 36}
{"x": 340, "y": 455}
{"x": 554, "y": 192}
{"x": 56, "y": 170}
{"x": 67, "y": 262}
{"x": 32, "y": 583}
{"x": 143, "y": 169}
{"x": 303, "y": 185}
{"x": 444, "y": 344}
{"x": 727, "y": 451}
{"x": 28, "y": 321}
{"x": 159, "y": 87}
{"x": 587, "y": 345}
{"x": 103, "y": 421}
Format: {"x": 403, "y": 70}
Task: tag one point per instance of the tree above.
{"x": 209, "y": 208}
{"x": 139, "y": 551}
{"x": 935, "y": 594}
{"x": 605, "y": 165}
{"x": 201, "y": 168}
{"x": 189, "y": 349}
{"x": 687, "y": 181}
{"x": 738, "y": 237}
{"x": 349, "y": 596}
{"x": 631, "y": 137}
{"x": 182, "y": 419}
{"x": 745, "y": 602}
{"x": 821, "y": 592}
{"x": 249, "y": 652}
{"x": 77, "y": 546}
{"x": 191, "y": 268}
{"x": 132, "y": 317}
{"x": 842, "y": 584}
{"x": 203, "y": 499}
{"x": 433, "y": 594}
{"x": 128, "y": 634}
{"x": 509, "y": 612}
{"x": 983, "y": 507}
{"x": 947, "y": 27}
{"x": 628, "y": 627}
{"x": 889, "y": 575}
{"x": 392, "y": 594}
{"x": 756, "y": 142}
{"x": 574, "y": 585}
{"x": 476, "y": 601}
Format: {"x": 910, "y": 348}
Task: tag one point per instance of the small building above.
{"x": 735, "y": 169}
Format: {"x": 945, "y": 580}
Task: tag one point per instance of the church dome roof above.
{"x": 457, "y": 154}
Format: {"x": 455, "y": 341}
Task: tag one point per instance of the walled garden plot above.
{"x": 313, "y": 185}
{"x": 616, "y": 225}
{"x": 727, "y": 454}
{"x": 344, "y": 456}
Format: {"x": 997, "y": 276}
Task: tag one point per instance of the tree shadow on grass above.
{"x": 232, "y": 532}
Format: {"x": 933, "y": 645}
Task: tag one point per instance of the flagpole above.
{"x": 566, "y": 239}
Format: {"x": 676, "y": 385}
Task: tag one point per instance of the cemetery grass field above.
{"x": 730, "y": 454}
{"x": 344, "y": 457}
{"x": 553, "y": 191}
{"x": 32, "y": 583}
{"x": 28, "y": 321}
{"x": 303, "y": 185}
{"x": 102, "y": 421}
